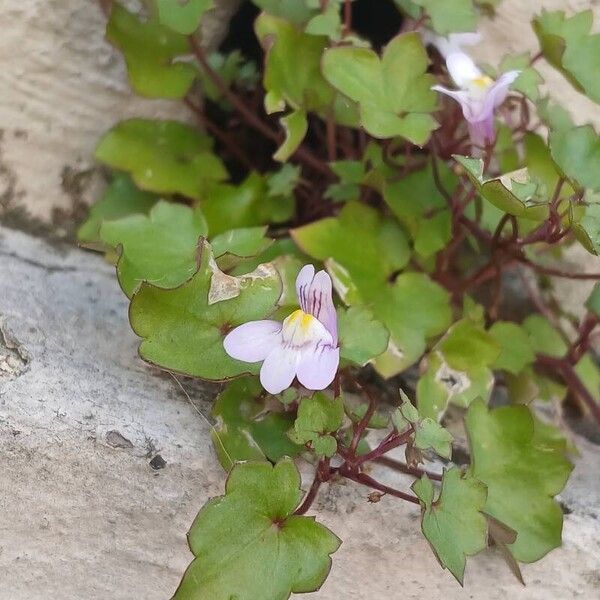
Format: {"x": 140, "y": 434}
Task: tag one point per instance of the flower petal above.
{"x": 279, "y": 369}
{"x": 462, "y": 97}
{"x": 320, "y": 303}
{"x": 453, "y": 43}
{"x": 496, "y": 94}
{"x": 318, "y": 366}
{"x": 462, "y": 69}
{"x": 303, "y": 281}
{"x": 252, "y": 341}
{"x": 315, "y": 295}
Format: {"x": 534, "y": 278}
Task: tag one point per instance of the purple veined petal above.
{"x": 303, "y": 281}
{"x": 497, "y": 92}
{"x": 253, "y": 341}
{"x": 318, "y": 366}
{"x": 315, "y": 296}
{"x": 279, "y": 369}
{"x": 462, "y": 69}
{"x": 320, "y": 303}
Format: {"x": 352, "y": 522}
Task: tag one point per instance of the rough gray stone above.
{"x": 81, "y": 518}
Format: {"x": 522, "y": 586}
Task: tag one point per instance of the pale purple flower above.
{"x": 478, "y": 94}
{"x": 305, "y": 345}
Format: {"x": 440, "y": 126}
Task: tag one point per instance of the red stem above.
{"x": 370, "y": 482}
{"x": 570, "y": 377}
{"x": 401, "y": 467}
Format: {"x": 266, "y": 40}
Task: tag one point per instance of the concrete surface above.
{"x": 84, "y": 515}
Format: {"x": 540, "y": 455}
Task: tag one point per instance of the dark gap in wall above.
{"x": 376, "y": 20}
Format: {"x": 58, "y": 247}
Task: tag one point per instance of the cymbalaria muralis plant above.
{"x": 360, "y": 239}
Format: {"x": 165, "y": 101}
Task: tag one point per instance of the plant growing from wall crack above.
{"x": 335, "y": 234}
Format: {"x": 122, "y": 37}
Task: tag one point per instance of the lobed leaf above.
{"x": 522, "y": 475}
{"x": 318, "y": 417}
{"x": 182, "y": 17}
{"x": 166, "y": 157}
{"x": 160, "y": 248}
{"x": 248, "y": 543}
{"x": 121, "y": 199}
{"x": 245, "y": 429}
{"x": 183, "y": 329}
{"x": 149, "y": 49}
{"x": 454, "y": 524}
{"x": 394, "y": 92}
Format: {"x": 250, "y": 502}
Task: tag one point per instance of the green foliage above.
{"x": 362, "y": 252}
{"x": 165, "y": 157}
{"x": 516, "y": 348}
{"x": 318, "y": 417}
{"x": 248, "y": 204}
{"x": 182, "y": 17}
{"x": 361, "y": 336}
{"x": 210, "y": 226}
{"x": 149, "y": 49}
{"x": 577, "y": 153}
{"x": 421, "y": 208}
{"x": 568, "y": 45}
{"x": 454, "y": 524}
{"x": 121, "y": 199}
{"x": 248, "y": 543}
{"x": 394, "y": 92}
{"x": 522, "y": 476}
{"x": 449, "y": 16}
{"x": 513, "y": 193}
{"x": 245, "y": 429}
{"x": 160, "y": 248}
{"x": 529, "y": 79}
{"x": 458, "y": 370}
{"x": 182, "y": 329}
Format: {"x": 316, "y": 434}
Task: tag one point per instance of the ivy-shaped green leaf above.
{"x": 183, "y": 329}
{"x": 121, "y": 199}
{"x": 295, "y": 126}
{"x": 245, "y": 241}
{"x": 247, "y": 204}
{"x": 454, "y": 524}
{"x": 429, "y": 434}
{"x": 419, "y": 205}
{"x": 361, "y": 336}
{"x": 522, "y": 475}
{"x": 529, "y": 79}
{"x": 248, "y": 543}
{"x": 182, "y": 17}
{"x": 363, "y": 253}
{"x": 457, "y": 369}
{"x": 394, "y": 92}
{"x": 166, "y": 157}
{"x": 513, "y": 193}
{"x": 292, "y": 10}
{"x": 245, "y": 430}
{"x": 449, "y": 16}
{"x": 577, "y": 152}
{"x": 149, "y": 49}
{"x": 318, "y": 417}
{"x": 516, "y": 349}
{"x": 568, "y": 45}
{"x": 160, "y": 248}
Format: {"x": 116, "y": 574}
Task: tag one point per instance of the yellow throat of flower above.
{"x": 301, "y": 328}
